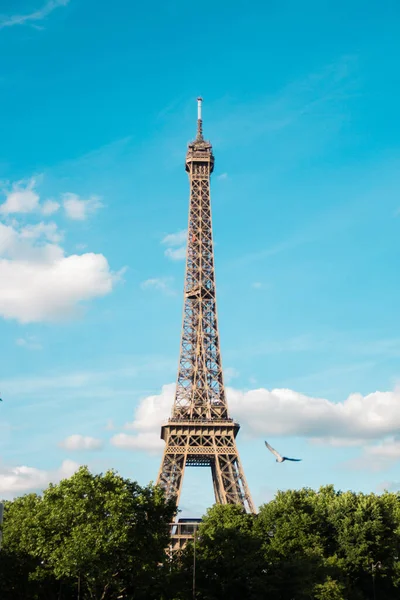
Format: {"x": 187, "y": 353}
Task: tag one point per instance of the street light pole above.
{"x": 194, "y": 565}
{"x": 375, "y": 566}
{"x": 373, "y": 584}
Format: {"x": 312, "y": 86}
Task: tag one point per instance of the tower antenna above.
{"x": 199, "y": 136}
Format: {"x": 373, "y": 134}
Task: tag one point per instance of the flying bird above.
{"x": 279, "y": 458}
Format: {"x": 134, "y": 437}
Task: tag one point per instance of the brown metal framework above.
{"x": 200, "y": 432}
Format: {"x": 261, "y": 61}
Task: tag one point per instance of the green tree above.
{"x": 227, "y": 558}
{"x": 329, "y": 590}
{"x": 22, "y": 575}
{"x": 323, "y": 544}
{"x": 292, "y": 533}
{"x": 108, "y": 535}
{"x": 303, "y": 545}
{"x": 104, "y": 534}
{"x": 367, "y": 533}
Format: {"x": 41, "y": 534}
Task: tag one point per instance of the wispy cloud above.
{"x": 176, "y": 245}
{"x": 22, "y": 198}
{"x": 326, "y": 223}
{"x": 33, "y": 17}
{"x": 78, "y": 209}
{"x": 90, "y": 382}
{"x": 175, "y": 239}
{"x": 388, "y": 486}
{"x": 81, "y": 442}
{"x": 50, "y": 207}
{"x": 162, "y": 284}
{"x": 29, "y": 342}
{"x": 176, "y": 253}
{"x": 378, "y": 457}
{"x": 345, "y": 353}
{"x": 14, "y": 480}
{"x": 230, "y": 373}
{"x": 148, "y": 441}
{"x": 289, "y": 244}
{"x": 319, "y": 97}
{"x": 258, "y": 285}
{"x": 335, "y": 372}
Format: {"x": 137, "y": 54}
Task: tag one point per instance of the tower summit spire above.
{"x": 199, "y": 137}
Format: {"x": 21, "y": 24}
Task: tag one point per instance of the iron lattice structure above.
{"x": 200, "y": 431}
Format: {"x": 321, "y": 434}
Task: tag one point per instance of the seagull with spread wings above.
{"x": 279, "y": 458}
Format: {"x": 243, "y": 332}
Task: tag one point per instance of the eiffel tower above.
{"x": 200, "y": 432}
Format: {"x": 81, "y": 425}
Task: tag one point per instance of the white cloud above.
{"x": 47, "y": 231}
{"x": 14, "y": 480}
{"x": 176, "y": 253}
{"x": 50, "y": 207}
{"x": 286, "y": 412}
{"x": 149, "y": 415}
{"x": 29, "y": 342}
{"x": 29, "y": 244}
{"x": 388, "y": 449}
{"x": 379, "y": 456}
{"x": 163, "y": 284}
{"x": 153, "y": 410}
{"x": 39, "y": 282}
{"x": 81, "y": 442}
{"x": 175, "y": 239}
{"x": 48, "y": 292}
{"x": 222, "y": 177}
{"x": 283, "y": 412}
{"x": 176, "y": 243}
{"x": 389, "y": 486}
{"x": 78, "y": 209}
{"x": 35, "y": 16}
{"x": 230, "y": 373}
{"x": 21, "y": 199}
{"x": 149, "y": 442}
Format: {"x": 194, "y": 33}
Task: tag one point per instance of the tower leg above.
{"x": 233, "y": 486}
{"x": 171, "y": 473}
{"x": 216, "y": 484}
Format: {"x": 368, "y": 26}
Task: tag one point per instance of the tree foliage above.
{"x": 108, "y": 535}
{"x": 101, "y": 533}
{"x": 303, "y": 545}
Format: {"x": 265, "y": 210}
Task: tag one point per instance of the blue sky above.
{"x": 301, "y": 106}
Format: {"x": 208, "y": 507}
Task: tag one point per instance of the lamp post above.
{"x": 194, "y": 565}
{"x": 377, "y": 565}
